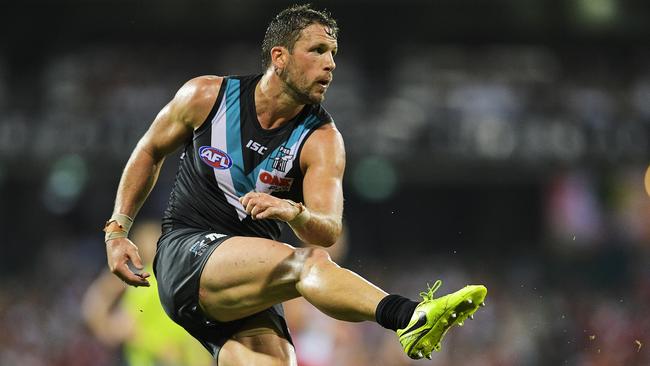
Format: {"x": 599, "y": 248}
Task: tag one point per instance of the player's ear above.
{"x": 279, "y": 56}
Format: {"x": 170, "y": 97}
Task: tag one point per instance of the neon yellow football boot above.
{"x": 432, "y": 318}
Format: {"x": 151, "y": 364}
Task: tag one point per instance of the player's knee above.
{"x": 316, "y": 260}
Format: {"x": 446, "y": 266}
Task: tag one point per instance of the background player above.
{"x": 119, "y": 315}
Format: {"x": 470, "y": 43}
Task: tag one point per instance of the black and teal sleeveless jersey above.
{"x": 229, "y": 155}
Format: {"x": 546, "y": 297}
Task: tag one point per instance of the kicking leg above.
{"x": 246, "y": 275}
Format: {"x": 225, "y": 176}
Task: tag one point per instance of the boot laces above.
{"x": 428, "y": 295}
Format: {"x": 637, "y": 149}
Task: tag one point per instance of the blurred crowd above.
{"x": 527, "y": 103}
{"x": 535, "y": 315}
{"x": 573, "y": 124}
{"x": 579, "y": 299}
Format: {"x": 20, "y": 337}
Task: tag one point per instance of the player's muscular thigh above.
{"x": 247, "y": 275}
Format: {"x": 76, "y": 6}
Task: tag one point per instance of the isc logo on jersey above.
{"x": 272, "y": 182}
{"x": 215, "y": 158}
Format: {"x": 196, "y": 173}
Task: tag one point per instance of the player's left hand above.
{"x": 125, "y": 262}
{"x": 264, "y": 206}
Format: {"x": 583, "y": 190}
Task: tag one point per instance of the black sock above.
{"x": 394, "y": 312}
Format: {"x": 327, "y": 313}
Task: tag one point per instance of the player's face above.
{"x": 308, "y": 72}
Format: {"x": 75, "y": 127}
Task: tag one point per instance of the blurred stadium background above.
{"x": 502, "y": 142}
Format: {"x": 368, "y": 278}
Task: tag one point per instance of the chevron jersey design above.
{"x": 230, "y": 155}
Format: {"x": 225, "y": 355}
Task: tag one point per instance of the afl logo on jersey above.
{"x": 215, "y": 158}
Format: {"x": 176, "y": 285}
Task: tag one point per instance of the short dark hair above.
{"x": 284, "y": 30}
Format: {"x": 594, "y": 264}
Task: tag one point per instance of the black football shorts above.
{"x": 182, "y": 253}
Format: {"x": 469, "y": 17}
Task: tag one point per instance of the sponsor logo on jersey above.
{"x": 215, "y": 158}
{"x": 281, "y": 160}
{"x": 272, "y": 182}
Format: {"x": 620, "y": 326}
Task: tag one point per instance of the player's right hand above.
{"x": 120, "y": 252}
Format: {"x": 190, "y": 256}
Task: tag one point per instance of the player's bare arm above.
{"x": 172, "y": 126}
{"x": 319, "y": 220}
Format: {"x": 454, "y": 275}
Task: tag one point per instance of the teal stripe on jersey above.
{"x": 233, "y": 139}
{"x": 267, "y": 164}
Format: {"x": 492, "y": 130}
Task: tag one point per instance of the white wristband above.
{"x": 124, "y": 223}
{"x": 301, "y": 218}
{"x": 303, "y": 215}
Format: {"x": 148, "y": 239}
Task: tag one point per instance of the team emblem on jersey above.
{"x": 273, "y": 183}
{"x": 280, "y": 161}
{"x": 215, "y": 158}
